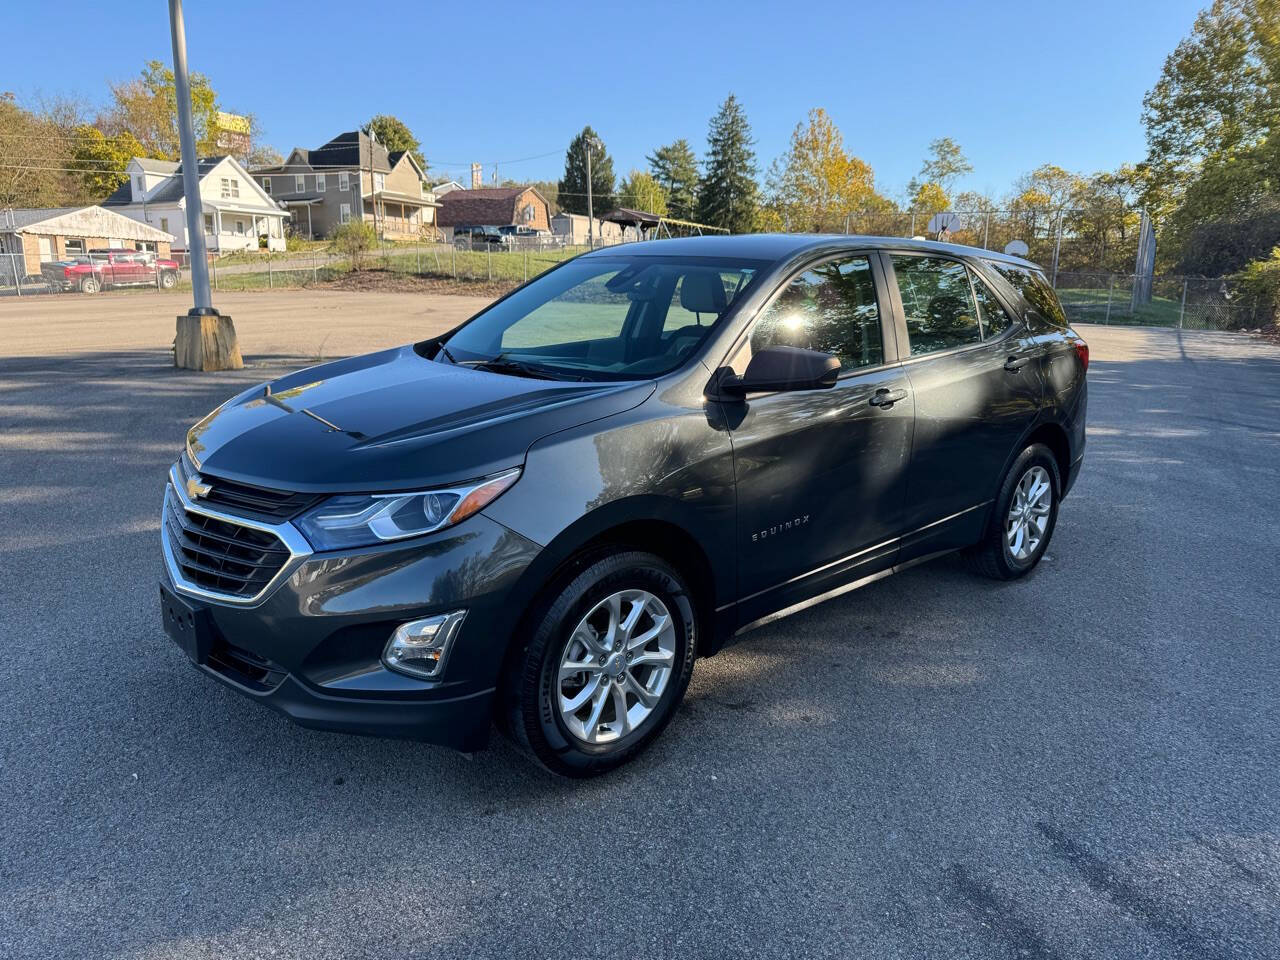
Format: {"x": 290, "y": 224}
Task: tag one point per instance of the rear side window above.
{"x": 1035, "y": 288}
{"x": 995, "y": 318}
{"x": 937, "y": 300}
{"x": 831, "y": 308}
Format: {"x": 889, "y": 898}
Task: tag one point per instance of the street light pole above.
{"x": 591, "y": 219}
{"x": 206, "y": 339}
{"x": 190, "y": 170}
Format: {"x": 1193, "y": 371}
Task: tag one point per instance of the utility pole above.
{"x": 206, "y": 340}
{"x": 591, "y": 219}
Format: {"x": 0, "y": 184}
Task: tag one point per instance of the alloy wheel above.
{"x": 616, "y": 666}
{"x": 1028, "y": 517}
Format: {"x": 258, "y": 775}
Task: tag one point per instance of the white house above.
{"x": 237, "y": 211}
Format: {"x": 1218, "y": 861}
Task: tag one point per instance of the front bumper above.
{"x": 311, "y": 645}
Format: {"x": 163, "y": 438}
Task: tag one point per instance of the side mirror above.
{"x": 780, "y": 368}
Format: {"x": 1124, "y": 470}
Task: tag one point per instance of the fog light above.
{"x": 420, "y": 647}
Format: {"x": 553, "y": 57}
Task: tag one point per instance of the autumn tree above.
{"x": 728, "y": 195}
{"x": 33, "y": 150}
{"x": 571, "y": 192}
{"x": 147, "y": 108}
{"x": 675, "y": 169}
{"x": 99, "y": 160}
{"x": 641, "y": 191}
{"x": 395, "y": 135}
{"x": 816, "y": 185}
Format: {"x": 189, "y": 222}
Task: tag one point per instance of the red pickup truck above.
{"x": 111, "y": 268}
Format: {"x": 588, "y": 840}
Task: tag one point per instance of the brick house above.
{"x": 30, "y": 237}
{"x": 495, "y": 207}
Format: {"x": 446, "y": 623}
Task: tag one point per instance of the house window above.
{"x": 74, "y": 246}
{"x": 208, "y": 223}
{"x": 266, "y": 184}
{"x": 139, "y": 185}
{"x": 230, "y": 188}
{"x": 344, "y": 212}
{"x": 239, "y": 228}
{"x": 344, "y": 181}
{"x": 164, "y": 224}
{"x": 320, "y": 183}
{"x": 379, "y": 182}
{"x": 299, "y": 182}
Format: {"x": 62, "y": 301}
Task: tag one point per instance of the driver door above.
{"x": 820, "y": 473}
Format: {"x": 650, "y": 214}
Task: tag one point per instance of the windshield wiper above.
{"x": 451, "y": 358}
{"x": 504, "y": 364}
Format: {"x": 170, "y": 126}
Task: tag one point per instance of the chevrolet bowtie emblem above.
{"x": 196, "y": 489}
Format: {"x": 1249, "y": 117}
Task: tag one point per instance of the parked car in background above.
{"x": 101, "y": 269}
{"x": 479, "y": 236}
{"x": 544, "y": 516}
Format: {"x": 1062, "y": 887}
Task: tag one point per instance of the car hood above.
{"x": 392, "y": 421}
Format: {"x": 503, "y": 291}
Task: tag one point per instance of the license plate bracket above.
{"x": 187, "y": 625}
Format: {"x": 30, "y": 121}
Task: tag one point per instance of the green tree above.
{"x": 1218, "y": 93}
{"x": 943, "y": 166}
{"x": 816, "y": 185}
{"x": 394, "y": 134}
{"x": 572, "y": 190}
{"x": 100, "y": 160}
{"x": 676, "y": 170}
{"x": 147, "y": 108}
{"x": 640, "y": 191}
{"x": 728, "y": 195}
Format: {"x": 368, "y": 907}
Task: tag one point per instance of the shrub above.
{"x": 1259, "y": 285}
{"x": 354, "y": 239}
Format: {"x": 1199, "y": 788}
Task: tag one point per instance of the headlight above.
{"x": 359, "y": 520}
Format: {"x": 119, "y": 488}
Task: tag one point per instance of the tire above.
{"x": 168, "y": 279}
{"x": 570, "y": 619}
{"x": 89, "y": 285}
{"x": 1000, "y": 555}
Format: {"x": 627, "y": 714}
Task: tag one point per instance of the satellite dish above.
{"x": 941, "y": 222}
{"x": 1016, "y": 248}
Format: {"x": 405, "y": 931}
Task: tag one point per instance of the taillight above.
{"x": 1082, "y": 351}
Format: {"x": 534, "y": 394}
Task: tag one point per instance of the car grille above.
{"x": 257, "y": 503}
{"x": 221, "y": 555}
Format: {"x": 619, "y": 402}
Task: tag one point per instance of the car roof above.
{"x": 780, "y": 246}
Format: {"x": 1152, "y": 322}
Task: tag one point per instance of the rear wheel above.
{"x": 89, "y": 285}
{"x": 1023, "y": 519}
{"x": 607, "y": 663}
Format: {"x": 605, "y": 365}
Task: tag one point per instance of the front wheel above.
{"x": 168, "y": 279}
{"x": 607, "y": 664}
{"x": 1023, "y": 518}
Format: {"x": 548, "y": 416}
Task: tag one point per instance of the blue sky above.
{"x": 1017, "y": 84}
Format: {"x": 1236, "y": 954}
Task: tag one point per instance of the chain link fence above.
{"x": 1060, "y": 242}
{"x": 1186, "y": 303}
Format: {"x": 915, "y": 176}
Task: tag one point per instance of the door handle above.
{"x": 1014, "y": 364}
{"x": 884, "y": 397}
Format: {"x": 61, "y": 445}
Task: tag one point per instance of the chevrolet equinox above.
{"x": 544, "y": 516}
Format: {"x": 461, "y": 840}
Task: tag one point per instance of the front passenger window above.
{"x": 830, "y": 308}
{"x": 938, "y": 302}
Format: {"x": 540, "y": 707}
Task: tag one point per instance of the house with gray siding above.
{"x": 353, "y": 176}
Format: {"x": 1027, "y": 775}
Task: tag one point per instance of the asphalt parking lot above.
{"x": 1079, "y": 764}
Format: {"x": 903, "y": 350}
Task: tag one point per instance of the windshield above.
{"x": 605, "y": 318}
